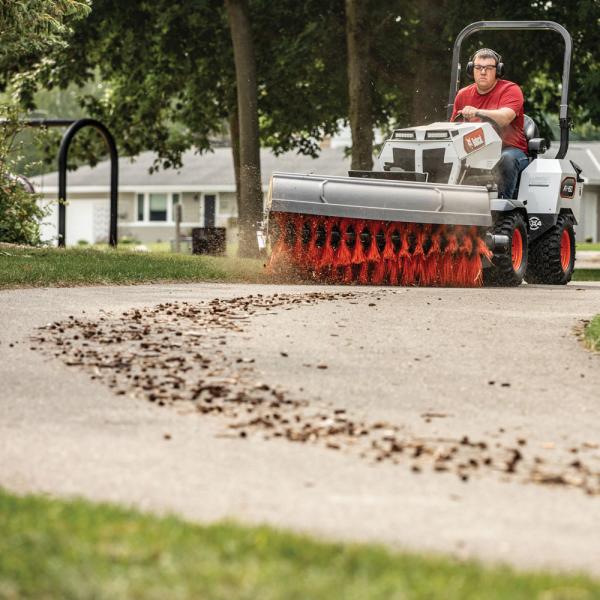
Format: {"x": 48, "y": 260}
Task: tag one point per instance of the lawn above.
{"x": 588, "y": 246}
{"x": 591, "y": 334}
{"x": 40, "y": 267}
{"x": 22, "y": 267}
{"x": 586, "y": 275}
{"x": 75, "y": 549}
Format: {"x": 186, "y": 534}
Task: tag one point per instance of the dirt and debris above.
{"x": 174, "y": 354}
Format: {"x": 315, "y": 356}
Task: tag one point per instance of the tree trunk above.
{"x": 250, "y": 204}
{"x": 234, "y": 133}
{"x": 432, "y": 65}
{"x": 359, "y": 83}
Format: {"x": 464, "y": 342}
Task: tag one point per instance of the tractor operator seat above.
{"x": 535, "y": 144}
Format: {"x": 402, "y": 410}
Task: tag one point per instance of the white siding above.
{"x": 588, "y": 219}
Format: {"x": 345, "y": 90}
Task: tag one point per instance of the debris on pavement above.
{"x": 174, "y": 354}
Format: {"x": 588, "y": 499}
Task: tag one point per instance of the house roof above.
{"x": 214, "y": 170}
{"x": 587, "y": 156}
{"x": 209, "y": 170}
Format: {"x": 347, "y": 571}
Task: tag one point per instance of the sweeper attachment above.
{"x": 429, "y": 212}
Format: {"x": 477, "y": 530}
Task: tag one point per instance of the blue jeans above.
{"x": 510, "y": 165}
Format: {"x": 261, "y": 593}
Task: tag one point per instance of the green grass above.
{"x": 77, "y": 550}
{"x": 591, "y": 334}
{"x": 22, "y": 267}
{"x": 588, "y": 246}
{"x": 36, "y": 267}
{"x": 586, "y": 275}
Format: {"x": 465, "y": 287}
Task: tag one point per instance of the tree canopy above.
{"x": 169, "y": 75}
{"x": 31, "y": 30}
{"x": 170, "y": 79}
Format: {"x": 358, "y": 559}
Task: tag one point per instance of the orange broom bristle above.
{"x": 405, "y": 259}
{"x": 327, "y": 255}
{"x": 389, "y": 255}
{"x": 447, "y": 269}
{"x": 298, "y": 252}
{"x": 313, "y": 250}
{"x": 373, "y": 253}
{"x": 432, "y": 266}
{"x": 332, "y": 249}
{"x": 388, "y": 250}
{"x": 363, "y": 274}
{"x": 358, "y": 256}
{"x": 343, "y": 255}
{"x": 481, "y": 251}
{"x": 463, "y": 269}
{"x": 279, "y": 257}
{"x": 419, "y": 256}
{"x": 375, "y": 257}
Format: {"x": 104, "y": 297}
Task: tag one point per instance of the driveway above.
{"x": 487, "y": 372}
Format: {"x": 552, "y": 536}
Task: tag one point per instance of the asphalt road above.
{"x": 495, "y": 365}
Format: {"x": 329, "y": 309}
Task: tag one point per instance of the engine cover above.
{"x": 441, "y": 150}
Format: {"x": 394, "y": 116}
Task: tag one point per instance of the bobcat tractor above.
{"x": 429, "y": 211}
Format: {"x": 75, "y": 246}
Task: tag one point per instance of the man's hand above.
{"x": 469, "y": 112}
{"x": 502, "y": 116}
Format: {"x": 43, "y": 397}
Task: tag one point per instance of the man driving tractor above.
{"x": 501, "y": 101}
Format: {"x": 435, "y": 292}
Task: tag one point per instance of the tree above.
{"x": 250, "y": 185}
{"x": 170, "y": 76}
{"x": 358, "y": 33}
{"x": 30, "y": 30}
{"x": 431, "y": 62}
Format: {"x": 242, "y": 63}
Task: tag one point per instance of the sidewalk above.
{"x": 587, "y": 259}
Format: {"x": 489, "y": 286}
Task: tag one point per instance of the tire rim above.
{"x": 517, "y": 249}
{"x": 565, "y": 250}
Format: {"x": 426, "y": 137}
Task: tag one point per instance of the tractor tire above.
{"x": 552, "y": 256}
{"x": 508, "y": 269}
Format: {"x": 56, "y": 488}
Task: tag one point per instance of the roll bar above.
{"x": 519, "y": 25}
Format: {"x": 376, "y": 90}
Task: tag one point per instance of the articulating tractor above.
{"x": 429, "y": 212}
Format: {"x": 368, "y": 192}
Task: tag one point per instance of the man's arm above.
{"x": 503, "y": 116}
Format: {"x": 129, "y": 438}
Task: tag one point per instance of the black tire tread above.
{"x": 544, "y": 265}
{"x": 502, "y": 273}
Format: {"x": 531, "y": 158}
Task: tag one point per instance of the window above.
{"x": 210, "y": 202}
{"x": 140, "y": 207}
{"x": 158, "y": 207}
{"x": 177, "y": 207}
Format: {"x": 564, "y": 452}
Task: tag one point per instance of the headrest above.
{"x": 530, "y": 128}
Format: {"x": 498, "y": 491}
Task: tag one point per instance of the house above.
{"x": 205, "y": 188}
{"x": 587, "y": 156}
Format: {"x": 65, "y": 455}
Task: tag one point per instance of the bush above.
{"x": 20, "y": 212}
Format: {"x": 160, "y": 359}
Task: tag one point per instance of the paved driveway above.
{"x": 502, "y": 367}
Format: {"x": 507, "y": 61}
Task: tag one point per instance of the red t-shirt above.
{"x": 505, "y": 94}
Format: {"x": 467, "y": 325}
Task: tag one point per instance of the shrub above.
{"x": 20, "y": 212}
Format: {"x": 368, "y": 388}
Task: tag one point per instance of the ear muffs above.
{"x": 499, "y": 64}
{"x": 470, "y": 69}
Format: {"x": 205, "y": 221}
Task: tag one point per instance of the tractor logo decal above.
{"x": 567, "y": 187}
{"x": 474, "y": 140}
{"x": 534, "y": 223}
